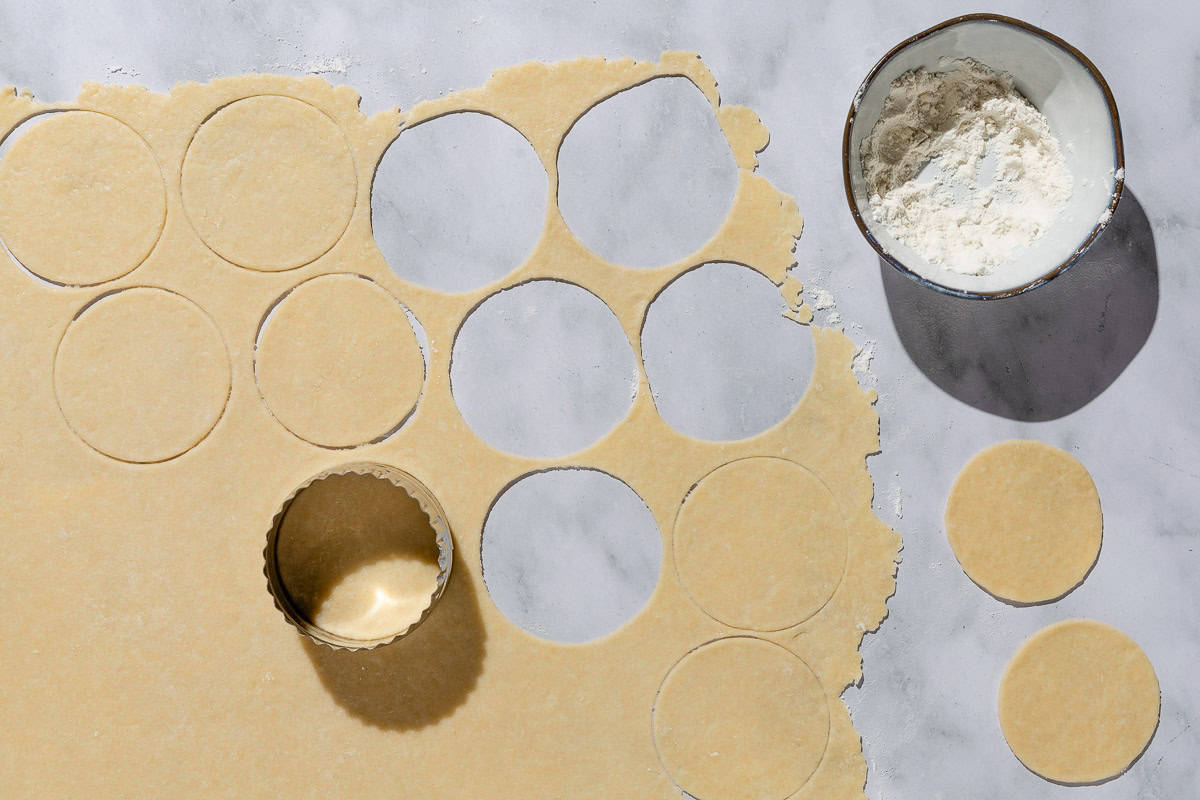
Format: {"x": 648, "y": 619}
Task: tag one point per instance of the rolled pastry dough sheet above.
{"x": 1079, "y": 702}
{"x": 148, "y": 654}
{"x": 1024, "y": 521}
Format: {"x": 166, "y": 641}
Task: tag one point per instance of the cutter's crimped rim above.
{"x": 401, "y": 480}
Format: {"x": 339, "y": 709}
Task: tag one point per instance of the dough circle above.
{"x": 741, "y": 719}
{"x": 1079, "y": 702}
{"x": 269, "y": 183}
{"x": 1024, "y": 521}
{"x": 142, "y": 375}
{"x": 760, "y": 544}
{"x": 82, "y": 199}
{"x": 337, "y": 361}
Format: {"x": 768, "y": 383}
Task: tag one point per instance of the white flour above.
{"x": 1001, "y": 178}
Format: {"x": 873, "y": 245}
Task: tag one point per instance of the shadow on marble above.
{"x": 1046, "y": 353}
{"x": 419, "y": 679}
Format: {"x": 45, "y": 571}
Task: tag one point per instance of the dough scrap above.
{"x": 82, "y": 199}
{"x": 1079, "y": 702}
{"x": 185, "y": 676}
{"x": 1024, "y": 521}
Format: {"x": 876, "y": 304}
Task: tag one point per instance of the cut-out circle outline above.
{"x": 292, "y": 266}
{"x": 741, "y": 638}
{"x": 193, "y": 305}
{"x": 413, "y": 323}
{"x": 31, "y": 119}
{"x": 689, "y": 592}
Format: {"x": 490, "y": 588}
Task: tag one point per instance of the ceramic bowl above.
{"x": 1056, "y": 78}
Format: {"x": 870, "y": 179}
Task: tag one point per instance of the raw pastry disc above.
{"x": 778, "y": 531}
{"x": 82, "y": 199}
{"x": 142, "y": 375}
{"x": 269, "y": 183}
{"x": 338, "y": 362}
{"x": 1024, "y": 521}
{"x": 756, "y": 738}
{"x": 1079, "y": 702}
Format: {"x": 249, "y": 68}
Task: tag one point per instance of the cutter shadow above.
{"x": 418, "y": 679}
{"x": 1046, "y": 353}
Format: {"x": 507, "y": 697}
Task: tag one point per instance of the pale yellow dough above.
{"x": 338, "y": 363}
{"x": 757, "y": 738}
{"x": 1079, "y": 702}
{"x": 142, "y": 375}
{"x": 82, "y": 198}
{"x": 760, "y": 544}
{"x": 1024, "y": 521}
{"x": 269, "y": 183}
{"x": 144, "y": 651}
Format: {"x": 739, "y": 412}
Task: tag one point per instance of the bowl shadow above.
{"x": 418, "y": 679}
{"x": 1045, "y": 353}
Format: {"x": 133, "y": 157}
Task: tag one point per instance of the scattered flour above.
{"x": 896, "y": 496}
{"x": 861, "y": 365}
{"x": 822, "y": 299}
{"x": 1001, "y": 177}
{"x": 331, "y": 65}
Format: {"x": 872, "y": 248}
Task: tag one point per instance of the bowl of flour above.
{"x": 982, "y": 157}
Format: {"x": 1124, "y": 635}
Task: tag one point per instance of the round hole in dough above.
{"x": 338, "y": 363}
{"x": 142, "y": 375}
{"x": 1079, "y": 702}
{"x": 542, "y": 369}
{"x": 269, "y": 183}
{"x": 436, "y": 195}
{"x": 570, "y": 555}
{"x": 1024, "y": 521}
{"x": 778, "y": 535}
{"x": 740, "y": 719}
{"x": 647, "y": 176}
{"x": 82, "y": 199}
{"x": 722, "y": 361}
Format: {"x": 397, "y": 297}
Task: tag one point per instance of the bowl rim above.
{"x": 1118, "y": 152}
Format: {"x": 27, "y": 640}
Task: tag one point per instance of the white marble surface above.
{"x": 1103, "y": 363}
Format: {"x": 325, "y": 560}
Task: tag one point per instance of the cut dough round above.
{"x": 1079, "y": 702}
{"x": 760, "y": 544}
{"x": 142, "y": 375}
{"x": 741, "y": 719}
{"x": 1024, "y": 521}
{"x": 82, "y": 199}
{"x": 338, "y": 363}
{"x": 269, "y": 183}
